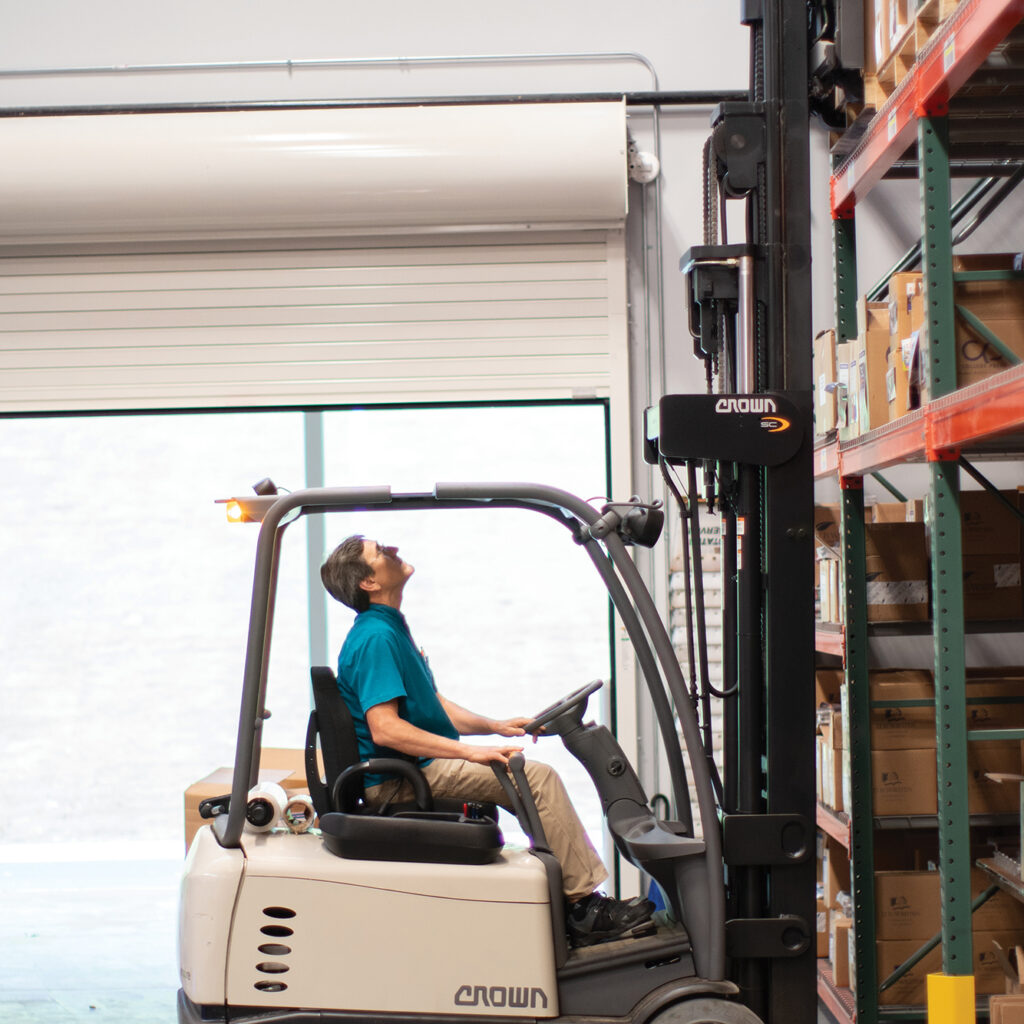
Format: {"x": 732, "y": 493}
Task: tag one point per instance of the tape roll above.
{"x": 299, "y": 813}
{"x": 264, "y": 807}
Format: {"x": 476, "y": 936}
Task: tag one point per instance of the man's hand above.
{"x": 487, "y": 755}
{"x": 510, "y": 727}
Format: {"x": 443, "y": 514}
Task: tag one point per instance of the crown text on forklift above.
{"x": 499, "y": 995}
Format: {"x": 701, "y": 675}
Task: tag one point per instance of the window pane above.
{"x": 124, "y": 610}
{"x": 507, "y": 606}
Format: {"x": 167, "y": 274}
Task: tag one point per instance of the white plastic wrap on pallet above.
{"x": 315, "y": 172}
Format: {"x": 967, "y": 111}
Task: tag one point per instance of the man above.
{"x": 389, "y": 688}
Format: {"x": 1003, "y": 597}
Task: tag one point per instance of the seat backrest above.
{"x": 331, "y": 720}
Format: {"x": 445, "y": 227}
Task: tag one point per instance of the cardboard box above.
{"x": 901, "y": 17}
{"x": 997, "y": 304}
{"x": 835, "y": 872}
{"x": 906, "y": 321}
{"x": 825, "y": 379}
{"x": 277, "y": 764}
{"x": 985, "y": 795}
{"x": 992, "y": 588}
{"x": 830, "y": 762}
{"x": 987, "y": 526}
{"x": 911, "y": 988}
{"x": 908, "y": 906}
{"x": 1006, "y": 1009}
{"x": 904, "y": 782}
{"x": 826, "y": 528}
{"x": 846, "y": 405}
{"x": 823, "y": 932}
{"x": 897, "y": 572}
{"x": 902, "y": 728}
{"x": 870, "y": 350}
{"x": 991, "y": 704}
{"x": 839, "y": 948}
{"x": 876, "y": 35}
{"x": 828, "y": 685}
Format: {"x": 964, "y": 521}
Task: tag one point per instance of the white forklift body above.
{"x": 430, "y": 938}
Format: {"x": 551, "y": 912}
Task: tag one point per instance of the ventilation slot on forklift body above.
{"x": 270, "y": 986}
{"x": 280, "y": 912}
{"x": 272, "y": 967}
{"x": 277, "y": 931}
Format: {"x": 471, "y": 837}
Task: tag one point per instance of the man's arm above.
{"x": 389, "y": 729}
{"x": 469, "y": 723}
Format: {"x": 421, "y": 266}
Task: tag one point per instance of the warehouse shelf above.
{"x": 955, "y": 52}
{"x": 835, "y": 824}
{"x": 979, "y": 420}
{"x": 1006, "y": 873}
{"x": 838, "y": 1001}
{"x": 829, "y": 638}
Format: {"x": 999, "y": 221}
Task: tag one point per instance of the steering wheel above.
{"x": 567, "y": 703}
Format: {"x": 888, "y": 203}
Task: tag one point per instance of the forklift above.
{"x": 423, "y": 916}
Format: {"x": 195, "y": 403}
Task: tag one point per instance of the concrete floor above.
{"x": 89, "y": 933}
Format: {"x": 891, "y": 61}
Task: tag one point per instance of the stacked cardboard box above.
{"x": 830, "y": 757}
{"x": 999, "y": 305}
{"x": 906, "y": 322}
{"x": 896, "y": 569}
{"x": 903, "y": 757}
{"x": 991, "y": 538}
{"x": 908, "y": 912}
{"x": 825, "y": 381}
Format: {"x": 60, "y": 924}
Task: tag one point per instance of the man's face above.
{"x": 389, "y": 571}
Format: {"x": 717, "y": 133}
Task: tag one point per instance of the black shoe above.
{"x": 599, "y": 918}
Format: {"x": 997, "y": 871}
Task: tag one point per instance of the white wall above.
{"x": 690, "y": 45}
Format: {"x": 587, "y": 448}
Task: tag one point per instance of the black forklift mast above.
{"x": 751, "y": 437}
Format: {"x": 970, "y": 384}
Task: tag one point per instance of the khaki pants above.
{"x": 582, "y": 870}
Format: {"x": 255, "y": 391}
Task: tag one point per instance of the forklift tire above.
{"x": 706, "y": 1010}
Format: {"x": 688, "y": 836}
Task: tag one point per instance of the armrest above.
{"x": 347, "y": 784}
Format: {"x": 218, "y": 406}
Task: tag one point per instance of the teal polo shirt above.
{"x": 380, "y": 662}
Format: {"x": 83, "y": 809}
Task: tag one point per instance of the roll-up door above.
{"x": 167, "y": 261}
{"x": 474, "y": 319}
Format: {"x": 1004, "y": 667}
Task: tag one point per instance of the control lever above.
{"x": 213, "y": 806}
{"x": 521, "y": 799}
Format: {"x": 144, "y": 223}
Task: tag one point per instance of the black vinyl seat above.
{"x": 420, "y": 831}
